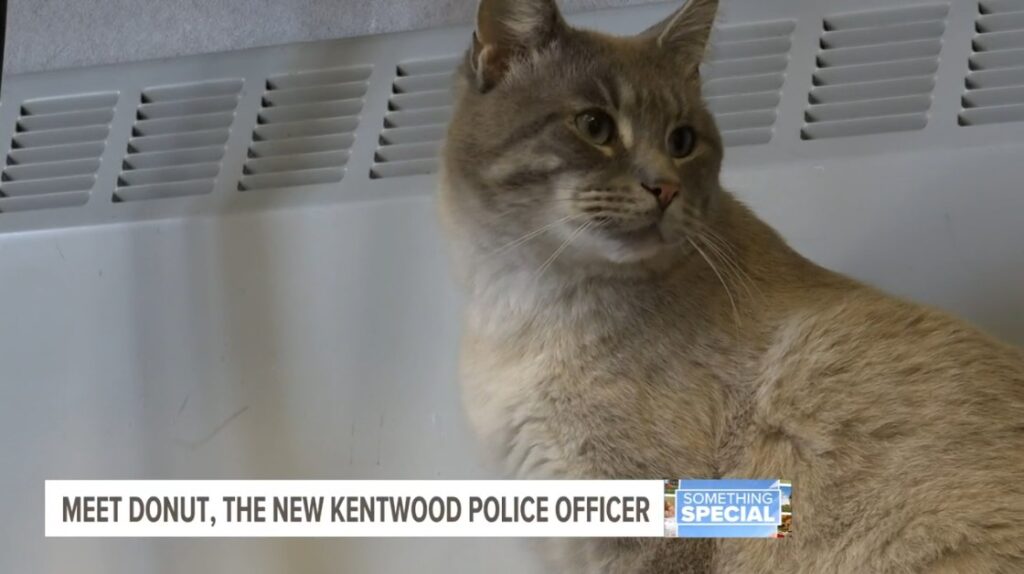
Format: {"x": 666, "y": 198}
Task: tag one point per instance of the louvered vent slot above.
{"x": 418, "y": 111}
{"x": 178, "y": 140}
{"x": 743, "y": 79}
{"x": 305, "y": 129}
{"x": 55, "y": 152}
{"x": 875, "y": 72}
{"x": 995, "y": 85}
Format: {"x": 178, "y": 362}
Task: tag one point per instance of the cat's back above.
{"x": 902, "y": 430}
{"x": 861, "y": 359}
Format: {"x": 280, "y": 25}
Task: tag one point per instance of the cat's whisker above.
{"x": 714, "y": 249}
{"x": 734, "y": 269}
{"x": 729, "y": 263}
{"x": 517, "y": 242}
{"x": 583, "y": 227}
{"x": 723, "y": 244}
{"x": 727, "y": 270}
{"x": 728, "y": 293}
{"x": 693, "y": 219}
{"x": 727, "y": 254}
{"x": 718, "y": 239}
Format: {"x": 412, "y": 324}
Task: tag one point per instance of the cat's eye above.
{"x": 597, "y": 126}
{"x": 681, "y": 142}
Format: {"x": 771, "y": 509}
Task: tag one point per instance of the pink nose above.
{"x": 665, "y": 192}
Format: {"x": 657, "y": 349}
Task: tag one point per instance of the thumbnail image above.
{"x": 786, "y": 528}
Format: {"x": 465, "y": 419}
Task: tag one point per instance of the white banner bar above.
{"x": 368, "y": 508}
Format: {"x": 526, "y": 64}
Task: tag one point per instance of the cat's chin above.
{"x": 632, "y": 246}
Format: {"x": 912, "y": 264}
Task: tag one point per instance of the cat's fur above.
{"x": 595, "y": 347}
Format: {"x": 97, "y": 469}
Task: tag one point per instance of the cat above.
{"x": 628, "y": 318}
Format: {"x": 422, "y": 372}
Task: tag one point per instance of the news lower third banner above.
{"x": 728, "y": 508}
{"x": 429, "y": 508}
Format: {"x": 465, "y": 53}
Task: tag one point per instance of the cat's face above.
{"x": 591, "y": 146}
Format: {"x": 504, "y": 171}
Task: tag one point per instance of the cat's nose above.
{"x": 665, "y": 192}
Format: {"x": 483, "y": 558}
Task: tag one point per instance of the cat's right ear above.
{"x": 507, "y": 30}
{"x": 685, "y": 32}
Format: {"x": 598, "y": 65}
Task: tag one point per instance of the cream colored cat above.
{"x": 628, "y": 318}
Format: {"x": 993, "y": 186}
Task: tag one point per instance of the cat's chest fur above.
{"x": 561, "y": 399}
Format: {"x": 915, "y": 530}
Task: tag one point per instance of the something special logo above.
{"x": 728, "y": 508}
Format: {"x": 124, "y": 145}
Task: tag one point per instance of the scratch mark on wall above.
{"x": 218, "y": 429}
{"x": 435, "y": 420}
{"x": 352, "y": 444}
{"x": 380, "y": 434}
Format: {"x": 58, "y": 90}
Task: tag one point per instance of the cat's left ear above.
{"x": 507, "y": 30}
{"x": 686, "y": 31}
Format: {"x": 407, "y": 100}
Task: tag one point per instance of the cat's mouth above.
{"x": 645, "y": 234}
{"x": 631, "y": 244}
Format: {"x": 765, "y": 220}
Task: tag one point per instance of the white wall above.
{"x": 54, "y": 34}
{"x": 318, "y": 340}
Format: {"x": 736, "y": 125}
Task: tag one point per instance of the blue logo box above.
{"x": 730, "y": 508}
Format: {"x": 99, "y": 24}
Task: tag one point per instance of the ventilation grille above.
{"x": 995, "y": 84}
{"x": 178, "y": 140}
{"x": 419, "y": 108}
{"x": 875, "y": 72}
{"x": 743, "y": 79}
{"x": 55, "y": 152}
{"x": 306, "y": 127}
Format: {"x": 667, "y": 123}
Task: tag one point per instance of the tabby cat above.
{"x": 628, "y": 318}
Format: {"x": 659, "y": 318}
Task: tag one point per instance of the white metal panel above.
{"x": 219, "y": 322}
